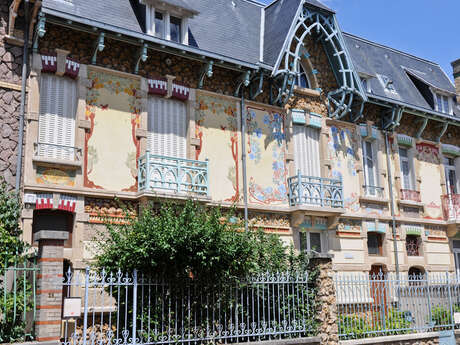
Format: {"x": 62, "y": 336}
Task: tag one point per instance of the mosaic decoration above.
{"x": 216, "y": 127}
{"x": 269, "y": 221}
{"x": 343, "y": 147}
{"x": 428, "y": 153}
{"x": 56, "y": 176}
{"x": 371, "y": 209}
{"x": 352, "y": 202}
{"x": 433, "y": 211}
{"x": 265, "y": 152}
{"x": 116, "y": 102}
{"x": 436, "y": 231}
{"x": 102, "y": 211}
{"x": 349, "y": 225}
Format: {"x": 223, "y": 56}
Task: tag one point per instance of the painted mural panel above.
{"x": 111, "y": 147}
{"x": 217, "y": 129}
{"x": 343, "y": 153}
{"x": 430, "y": 188}
{"x": 266, "y": 157}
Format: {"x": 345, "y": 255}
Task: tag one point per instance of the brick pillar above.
{"x": 49, "y": 284}
{"x": 326, "y": 314}
{"x": 456, "y": 67}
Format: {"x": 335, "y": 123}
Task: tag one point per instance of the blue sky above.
{"x": 429, "y": 29}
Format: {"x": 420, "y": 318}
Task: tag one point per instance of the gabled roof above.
{"x": 376, "y": 60}
{"x": 279, "y": 17}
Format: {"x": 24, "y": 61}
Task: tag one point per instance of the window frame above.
{"x": 380, "y": 240}
{"x": 418, "y": 241}
{"x": 306, "y": 239}
{"x": 166, "y": 23}
{"x": 374, "y": 160}
{"x": 308, "y": 135}
{"x": 448, "y": 168}
{"x": 441, "y": 101}
{"x": 179, "y": 31}
{"x": 411, "y": 173}
{"x": 302, "y": 72}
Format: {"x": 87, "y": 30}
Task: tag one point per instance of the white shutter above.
{"x": 167, "y": 126}
{"x": 306, "y": 151}
{"x": 58, "y": 104}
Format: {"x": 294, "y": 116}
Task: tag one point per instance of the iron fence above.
{"x": 380, "y": 304}
{"x": 17, "y": 299}
{"x": 130, "y": 308}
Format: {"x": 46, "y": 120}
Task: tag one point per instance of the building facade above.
{"x": 339, "y": 145}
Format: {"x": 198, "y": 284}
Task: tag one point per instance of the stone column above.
{"x": 49, "y": 284}
{"x": 326, "y": 313}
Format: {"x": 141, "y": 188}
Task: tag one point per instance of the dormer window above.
{"x": 168, "y": 20}
{"x": 443, "y": 104}
{"x": 387, "y": 83}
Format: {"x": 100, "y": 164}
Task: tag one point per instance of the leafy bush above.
{"x": 179, "y": 241}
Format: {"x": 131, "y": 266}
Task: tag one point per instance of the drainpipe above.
{"x": 392, "y": 203}
{"x": 243, "y": 158}
{"x": 25, "y": 58}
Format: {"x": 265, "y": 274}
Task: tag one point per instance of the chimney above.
{"x": 456, "y": 68}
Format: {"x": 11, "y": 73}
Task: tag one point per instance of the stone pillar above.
{"x": 456, "y": 67}
{"x": 49, "y": 284}
{"x": 326, "y": 313}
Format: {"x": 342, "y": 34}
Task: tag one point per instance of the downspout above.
{"x": 25, "y": 56}
{"x": 243, "y": 158}
{"x": 392, "y": 203}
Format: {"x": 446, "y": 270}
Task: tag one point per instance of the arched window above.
{"x": 302, "y": 79}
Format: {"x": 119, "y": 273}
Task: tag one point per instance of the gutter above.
{"x": 25, "y": 58}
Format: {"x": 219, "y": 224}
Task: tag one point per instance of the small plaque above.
{"x": 348, "y": 256}
{"x": 72, "y": 307}
{"x": 457, "y": 318}
{"x": 30, "y": 198}
{"x": 298, "y": 116}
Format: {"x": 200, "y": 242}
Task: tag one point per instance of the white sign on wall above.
{"x": 457, "y": 318}
{"x": 72, "y": 307}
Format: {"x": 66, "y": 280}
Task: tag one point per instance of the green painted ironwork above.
{"x": 168, "y": 174}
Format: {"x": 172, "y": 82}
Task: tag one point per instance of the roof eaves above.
{"x": 148, "y": 38}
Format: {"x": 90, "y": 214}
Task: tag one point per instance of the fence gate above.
{"x": 447, "y": 338}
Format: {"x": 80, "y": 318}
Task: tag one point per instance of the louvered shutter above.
{"x": 306, "y": 151}
{"x": 167, "y": 127}
{"x": 58, "y": 104}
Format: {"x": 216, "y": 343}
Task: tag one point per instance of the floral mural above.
{"x": 266, "y": 152}
{"x": 113, "y": 107}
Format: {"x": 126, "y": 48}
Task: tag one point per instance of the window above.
{"x": 451, "y": 176}
{"x": 56, "y": 122}
{"x": 167, "y": 126}
{"x": 175, "y": 29}
{"x": 366, "y": 84}
{"x": 306, "y": 150}
{"x": 374, "y": 243}
{"x": 302, "y": 79}
{"x": 159, "y": 25}
{"x": 311, "y": 241}
{"x": 413, "y": 245}
{"x": 370, "y": 169}
{"x": 442, "y": 103}
{"x": 407, "y": 171}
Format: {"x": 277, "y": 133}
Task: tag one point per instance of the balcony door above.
{"x": 306, "y": 151}
{"x": 451, "y": 176}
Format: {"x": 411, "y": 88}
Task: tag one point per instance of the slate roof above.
{"x": 373, "y": 59}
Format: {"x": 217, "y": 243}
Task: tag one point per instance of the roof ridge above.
{"x": 390, "y": 48}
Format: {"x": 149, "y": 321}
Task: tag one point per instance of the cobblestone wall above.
{"x": 10, "y": 96}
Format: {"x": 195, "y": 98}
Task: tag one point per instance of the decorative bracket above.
{"x": 141, "y": 56}
{"x": 40, "y": 31}
{"x": 244, "y": 79}
{"x": 394, "y": 120}
{"x": 354, "y": 119}
{"x": 98, "y": 47}
{"x": 206, "y": 71}
{"x": 443, "y": 128}
{"x": 423, "y": 123}
{"x": 258, "y": 91}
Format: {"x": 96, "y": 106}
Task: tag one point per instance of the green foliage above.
{"x": 442, "y": 316}
{"x": 178, "y": 241}
{"x": 10, "y": 209}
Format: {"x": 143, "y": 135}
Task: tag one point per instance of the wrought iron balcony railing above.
{"x": 316, "y": 191}
{"x": 168, "y": 174}
{"x": 451, "y": 207}
{"x": 56, "y": 151}
{"x": 410, "y": 195}
{"x": 373, "y": 191}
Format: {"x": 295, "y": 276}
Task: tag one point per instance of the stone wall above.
{"x": 10, "y": 97}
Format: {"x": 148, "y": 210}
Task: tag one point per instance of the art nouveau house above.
{"x": 340, "y": 145}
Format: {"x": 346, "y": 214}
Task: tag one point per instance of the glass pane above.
{"x": 452, "y": 181}
{"x": 439, "y": 101}
{"x": 403, "y": 153}
{"x": 315, "y": 241}
{"x": 373, "y": 244}
{"x": 456, "y": 244}
{"x": 175, "y": 29}
{"x": 445, "y": 102}
{"x": 159, "y": 25}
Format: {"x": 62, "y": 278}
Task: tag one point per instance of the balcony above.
{"x": 315, "y": 191}
{"x": 451, "y": 207}
{"x": 410, "y": 195}
{"x": 56, "y": 154}
{"x": 172, "y": 175}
